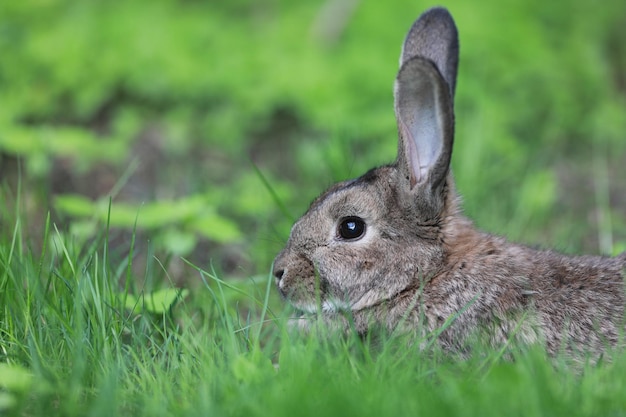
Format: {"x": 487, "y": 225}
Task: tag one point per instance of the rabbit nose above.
{"x": 279, "y": 274}
{"x": 279, "y": 267}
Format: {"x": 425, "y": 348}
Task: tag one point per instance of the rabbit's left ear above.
{"x": 424, "y": 94}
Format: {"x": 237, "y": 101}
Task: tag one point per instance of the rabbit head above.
{"x": 364, "y": 241}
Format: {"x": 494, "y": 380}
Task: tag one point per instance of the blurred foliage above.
{"x": 167, "y": 107}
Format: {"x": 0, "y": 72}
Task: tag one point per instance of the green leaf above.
{"x": 14, "y": 377}
{"x": 216, "y": 227}
{"x": 177, "y": 242}
{"x": 75, "y": 205}
{"x": 157, "y": 302}
{"x": 194, "y": 212}
{"x": 251, "y": 367}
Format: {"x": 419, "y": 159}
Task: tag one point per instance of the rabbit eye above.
{"x": 351, "y": 228}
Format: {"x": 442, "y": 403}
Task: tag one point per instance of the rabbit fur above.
{"x": 393, "y": 248}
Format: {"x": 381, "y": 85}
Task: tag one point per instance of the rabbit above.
{"x": 393, "y": 249}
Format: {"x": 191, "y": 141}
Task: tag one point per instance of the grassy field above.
{"x": 154, "y": 154}
{"x": 77, "y": 343}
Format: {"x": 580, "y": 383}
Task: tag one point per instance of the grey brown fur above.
{"x": 420, "y": 262}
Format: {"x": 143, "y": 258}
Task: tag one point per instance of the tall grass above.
{"x": 79, "y": 338}
{"x": 87, "y": 332}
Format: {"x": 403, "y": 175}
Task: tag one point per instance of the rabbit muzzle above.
{"x": 297, "y": 281}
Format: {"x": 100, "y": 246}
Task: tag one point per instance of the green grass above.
{"x": 79, "y": 337}
{"x": 160, "y": 106}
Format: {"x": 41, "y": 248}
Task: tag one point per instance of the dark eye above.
{"x": 351, "y": 228}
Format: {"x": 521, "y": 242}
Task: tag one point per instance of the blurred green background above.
{"x": 183, "y": 112}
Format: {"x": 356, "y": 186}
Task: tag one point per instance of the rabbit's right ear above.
{"x": 423, "y": 95}
{"x": 434, "y": 36}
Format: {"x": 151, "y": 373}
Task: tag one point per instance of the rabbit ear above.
{"x": 423, "y": 94}
{"x": 425, "y": 117}
{"x": 434, "y": 36}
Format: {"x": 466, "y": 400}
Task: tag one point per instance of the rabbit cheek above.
{"x": 349, "y": 274}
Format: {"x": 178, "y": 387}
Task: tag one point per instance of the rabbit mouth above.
{"x": 327, "y": 306}
{"x": 335, "y": 306}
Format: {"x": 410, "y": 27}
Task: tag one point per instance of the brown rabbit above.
{"x": 392, "y": 246}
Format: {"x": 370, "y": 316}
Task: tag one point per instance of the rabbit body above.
{"x": 393, "y": 248}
